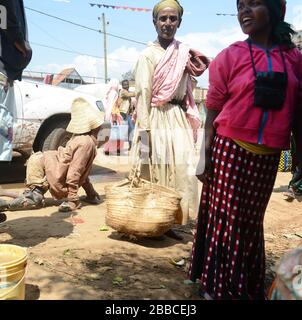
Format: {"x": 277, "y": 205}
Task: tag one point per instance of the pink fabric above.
{"x": 166, "y": 79}
{"x": 197, "y": 63}
{"x": 111, "y": 97}
{"x": 117, "y": 118}
{"x": 113, "y": 145}
{"x": 109, "y": 102}
{"x": 231, "y": 91}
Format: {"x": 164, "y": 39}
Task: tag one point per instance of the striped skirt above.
{"x": 228, "y": 256}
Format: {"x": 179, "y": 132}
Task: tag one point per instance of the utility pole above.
{"x": 105, "y": 46}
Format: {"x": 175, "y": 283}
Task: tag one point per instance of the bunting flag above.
{"x": 106, "y": 6}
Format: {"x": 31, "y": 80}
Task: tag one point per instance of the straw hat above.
{"x": 84, "y": 117}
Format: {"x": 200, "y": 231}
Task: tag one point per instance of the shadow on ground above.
{"x": 115, "y": 275}
{"x": 103, "y": 174}
{"x": 32, "y": 292}
{"x": 31, "y": 231}
{"x": 280, "y": 189}
{"x": 119, "y": 275}
{"x": 158, "y": 242}
{"x": 13, "y": 171}
{"x": 185, "y": 231}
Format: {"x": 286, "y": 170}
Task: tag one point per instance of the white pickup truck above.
{"x": 41, "y": 114}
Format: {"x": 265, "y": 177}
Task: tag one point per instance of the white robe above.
{"x": 171, "y": 135}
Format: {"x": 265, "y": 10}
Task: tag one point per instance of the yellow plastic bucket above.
{"x": 13, "y": 261}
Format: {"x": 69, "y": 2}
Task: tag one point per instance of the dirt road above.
{"x": 70, "y": 258}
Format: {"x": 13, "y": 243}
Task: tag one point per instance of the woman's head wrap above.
{"x": 282, "y": 31}
{"x": 167, "y": 4}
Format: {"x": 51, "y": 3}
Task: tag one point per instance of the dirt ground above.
{"x": 70, "y": 257}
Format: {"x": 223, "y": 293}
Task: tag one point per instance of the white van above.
{"x": 41, "y": 114}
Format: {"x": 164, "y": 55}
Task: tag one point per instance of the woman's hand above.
{"x": 210, "y": 133}
{"x": 205, "y": 177}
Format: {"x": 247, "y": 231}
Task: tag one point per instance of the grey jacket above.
{"x": 12, "y": 62}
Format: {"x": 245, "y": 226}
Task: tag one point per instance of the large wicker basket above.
{"x": 143, "y": 210}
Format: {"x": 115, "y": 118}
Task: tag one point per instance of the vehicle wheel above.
{"x": 56, "y": 138}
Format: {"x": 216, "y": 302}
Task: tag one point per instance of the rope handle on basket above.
{"x": 150, "y": 172}
{"x": 151, "y": 175}
{"x": 134, "y": 174}
{"x": 138, "y": 165}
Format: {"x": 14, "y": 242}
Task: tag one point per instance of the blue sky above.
{"x": 201, "y": 28}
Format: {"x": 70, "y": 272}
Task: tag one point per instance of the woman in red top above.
{"x": 254, "y": 102}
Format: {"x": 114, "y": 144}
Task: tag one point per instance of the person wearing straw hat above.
{"x": 62, "y": 172}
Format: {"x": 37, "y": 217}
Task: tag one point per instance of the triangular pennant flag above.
{"x": 120, "y": 7}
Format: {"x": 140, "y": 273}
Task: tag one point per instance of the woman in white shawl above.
{"x": 112, "y": 115}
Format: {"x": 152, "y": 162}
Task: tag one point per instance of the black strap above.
{"x": 253, "y": 62}
{"x": 251, "y": 53}
{"x": 283, "y": 60}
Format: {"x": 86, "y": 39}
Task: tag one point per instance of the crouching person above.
{"x": 65, "y": 170}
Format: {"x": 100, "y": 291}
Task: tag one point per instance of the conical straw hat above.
{"x": 84, "y": 117}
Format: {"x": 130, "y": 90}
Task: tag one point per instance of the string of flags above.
{"x": 100, "y": 5}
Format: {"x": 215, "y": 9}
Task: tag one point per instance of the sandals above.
{"x": 65, "y": 207}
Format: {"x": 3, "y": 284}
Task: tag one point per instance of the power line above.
{"x": 226, "y": 14}
{"x": 71, "y": 50}
{"x": 51, "y": 36}
{"x": 77, "y": 52}
{"x": 85, "y": 27}
{"x": 61, "y": 19}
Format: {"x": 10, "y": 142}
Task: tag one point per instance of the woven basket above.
{"x": 143, "y": 210}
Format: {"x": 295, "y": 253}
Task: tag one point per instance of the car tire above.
{"x": 56, "y": 138}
